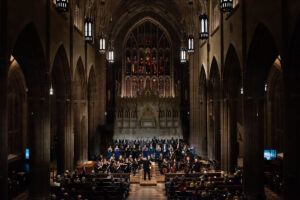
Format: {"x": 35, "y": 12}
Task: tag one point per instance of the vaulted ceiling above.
{"x": 113, "y": 17}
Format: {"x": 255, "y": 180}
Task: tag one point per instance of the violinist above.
{"x": 127, "y": 166}
{"x": 105, "y": 166}
{"x": 98, "y": 166}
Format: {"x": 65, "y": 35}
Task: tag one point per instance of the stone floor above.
{"x": 138, "y": 192}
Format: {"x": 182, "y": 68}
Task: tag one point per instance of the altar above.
{"x": 147, "y": 116}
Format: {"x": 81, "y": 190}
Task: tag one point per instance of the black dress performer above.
{"x": 146, "y": 165}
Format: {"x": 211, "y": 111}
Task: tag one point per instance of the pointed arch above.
{"x": 261, "y": 55}
{"x": 61, "y": 74}
{"x": 213, "y": 138}
{"x": 232, "y": 78}
{"x": 79, "y": 81}
{"x": 29, "y": 53}
{"x": 60, "y": 122}
{"x": 80, "y": 113}
{"x": 203, "y": 112}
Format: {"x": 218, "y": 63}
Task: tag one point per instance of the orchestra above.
{"x": 128, "y": 156}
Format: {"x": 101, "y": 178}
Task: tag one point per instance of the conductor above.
{"x": 146, "y": 165}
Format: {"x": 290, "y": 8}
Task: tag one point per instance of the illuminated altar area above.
{"x": 147, "y": 102}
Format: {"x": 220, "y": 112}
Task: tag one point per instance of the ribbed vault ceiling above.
{"x": 112, "y": 16}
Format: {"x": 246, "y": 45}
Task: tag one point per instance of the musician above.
{"x": 116, "y": 167}
{"x": 151, "y": 150}
{"x": 105, "y": 166}
{"x": 197, "y": 166}
{"x": 160, "y": 161}
{"x": 135, "y": 166}
{"x": 109, "y": 153}
{"x": 146, "y": 166}
{"x": 98, "y": 166}
{"x": 188, "y": 165}
{"x": 127, "y": 166}
{"x": 174, "y": 166}
{"x": 165, "y": 167}
{"x": 117, "y": 153}
{"x": 145, "y": 151}
{"x": 134, "y": 152}
{"x": 127, "y": 151}
{"x": 165, "y": 150}
{"x": 170, "y": 149}
{"x": 158, "y": 152}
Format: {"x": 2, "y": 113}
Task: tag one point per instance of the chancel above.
{"x": 149, "y": 99}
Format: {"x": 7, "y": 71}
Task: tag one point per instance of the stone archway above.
{"x": 232, "y": 137}
{"x": 80, "y": 115}
{"x": 17, "y": 111}
{"x": 203, "y": 113}
{"x": 213, "y": 136}
{"x": 29, "y": 53}
{"x": 262, "y": 54}
{"x": 61, "y": 137}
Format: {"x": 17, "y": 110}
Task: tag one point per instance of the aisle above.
{"x": 138, "y": 192}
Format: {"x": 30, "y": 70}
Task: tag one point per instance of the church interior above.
{"x": 149, "y": 99}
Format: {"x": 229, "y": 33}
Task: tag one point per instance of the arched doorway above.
{"x": 232, "y": 137}
{"x": 61, "y": 142}
{"x": 214, "y": 137}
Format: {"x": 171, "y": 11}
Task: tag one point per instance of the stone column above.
{"x": 100, "y": 102}
{"x": 84, "y": 131}
{"x": 203, "y": 128}
{"x": 224, "y": 136}
{"x": 3, "y": 101}
{"x": 68, "y": 137}
{"x": 3, "y": 129}
{"x": 210, "y": 128}
{"x": 232, "y": 150}
{"x": 291, "y": 161}
{"x": 192, "y": 100}
{"x": 253, "y": 148}
{"x": 197, "y": 136}
{"x": 76, "y": 131}
{"x": 39, "y": 139}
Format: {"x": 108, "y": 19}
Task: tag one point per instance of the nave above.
{"x": 220, "y": 76}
